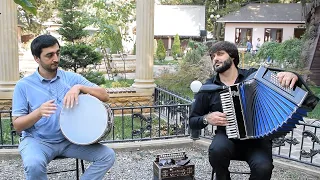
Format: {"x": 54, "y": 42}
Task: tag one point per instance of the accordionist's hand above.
{"x": 217, "y": 118}
{"x": 287, "y": 79}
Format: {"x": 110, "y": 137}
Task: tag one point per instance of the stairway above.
{"x": 315, "y": 65}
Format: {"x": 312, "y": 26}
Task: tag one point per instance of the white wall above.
{"x": 183, "y": 20}
{"x": 258, "y": 30}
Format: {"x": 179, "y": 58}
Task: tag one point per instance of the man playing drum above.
{"x": 37, "y": 103}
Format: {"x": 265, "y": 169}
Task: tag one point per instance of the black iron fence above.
{"x": 168, "y": 118}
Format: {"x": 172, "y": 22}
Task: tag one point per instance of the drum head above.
{"x": 86, "y": 122}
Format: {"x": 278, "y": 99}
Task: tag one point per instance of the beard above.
{"x": 225, "y": 66}
{"x": 49, "y": 67}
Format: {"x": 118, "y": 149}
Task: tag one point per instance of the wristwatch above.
{"x": 204, "y": 120}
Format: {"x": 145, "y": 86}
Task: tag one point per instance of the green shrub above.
{"x": 290, "y": 52}
{"x": 161, "y": 51}
{"x": 268, "y": 49}
{"x": 94, "y": 77}
{"x": 192, "y": 56}
{"x": 200, "y": 47}
{"x": 120, "y": 84}
{"x": 197, "y": 51}
{"x": 75, "y": 56}
{"x": 180, "y": 80}
{"x": 176, "y": 47}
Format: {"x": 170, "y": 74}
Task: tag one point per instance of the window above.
{"x": 298, "y": 32}
{"x": 273, "y": 35}
{"x": 242, "y": 36}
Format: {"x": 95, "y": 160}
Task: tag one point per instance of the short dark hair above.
{"x": 42, "y": 41}
{"x": 229, "y": 47}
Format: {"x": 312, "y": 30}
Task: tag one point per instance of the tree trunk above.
{"x": 218, "y": 31}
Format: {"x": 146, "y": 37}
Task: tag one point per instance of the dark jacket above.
{"x": 205, "y": 103}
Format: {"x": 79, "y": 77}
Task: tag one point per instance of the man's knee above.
{"x": 35, "y": 166}
{"x": 220, "y": 154}
{"x": 110, "y": 156}
{"x": 263, "y": 169}
{"x": 221, "y": 148}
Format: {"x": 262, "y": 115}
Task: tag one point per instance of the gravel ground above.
{"x": 137, "y": 165}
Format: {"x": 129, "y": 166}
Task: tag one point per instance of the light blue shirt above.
{"x": 34, "y": 90}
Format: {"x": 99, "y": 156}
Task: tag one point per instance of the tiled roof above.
{"x": 266, "y": 13}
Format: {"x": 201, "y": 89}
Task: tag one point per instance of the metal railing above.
{"x": 168, "y": 118}
{"x": 130, "y": 124}
{"x": 301, "y": 145}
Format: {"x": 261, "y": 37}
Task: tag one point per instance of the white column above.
{"x": 9, "y": 57}
{"x": 144, "y": 81}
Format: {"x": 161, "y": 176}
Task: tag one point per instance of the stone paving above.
{"x": 137, "y": 165}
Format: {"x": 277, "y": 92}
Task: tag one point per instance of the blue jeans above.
{"x": 37, "y": 154}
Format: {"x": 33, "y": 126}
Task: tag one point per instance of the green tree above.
{"x": 27, "y": 5}
{"x": 74, "y": 20}
{"x": 161, "y": 51}
{"x": 116, "y": 46}
{"x": 75, "y": 54}
{"x": 176, "y": 47}
{"x": 33, "y": 21}
{"x": 112, "y": 19}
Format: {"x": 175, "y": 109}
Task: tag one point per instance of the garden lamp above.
{"x": 195, "y": 87}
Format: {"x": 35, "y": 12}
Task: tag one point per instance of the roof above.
{"x": 266, "y": 13}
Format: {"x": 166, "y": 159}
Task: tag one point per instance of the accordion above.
{"x": 259, "y": 107}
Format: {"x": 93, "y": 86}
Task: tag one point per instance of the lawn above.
{"x": 126, "y": 127}
{"x": 315, "y": 114}
{"x": 5, "y": 129}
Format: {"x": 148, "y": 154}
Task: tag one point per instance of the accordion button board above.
{"x": 268, "y": 77}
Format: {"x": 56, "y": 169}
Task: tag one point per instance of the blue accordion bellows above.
{"x": 268, "y": 113}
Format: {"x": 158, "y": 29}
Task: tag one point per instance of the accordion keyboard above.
{"x": 228, "y": 109}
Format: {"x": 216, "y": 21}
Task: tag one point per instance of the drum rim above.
{"x": 88, "y": 143}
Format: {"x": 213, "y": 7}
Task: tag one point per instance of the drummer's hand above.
{"x": 287, "y": 79}
{"x": 47, "y": 108}
{"x": 217, "y": 118}
{"x": 71, "y": 98}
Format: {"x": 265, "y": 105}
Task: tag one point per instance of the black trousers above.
{"x": 256, "y": 152}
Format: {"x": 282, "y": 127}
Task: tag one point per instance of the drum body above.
{"x": 87, "y": 122}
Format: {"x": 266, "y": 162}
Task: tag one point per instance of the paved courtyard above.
{"x": 137, "y": 164}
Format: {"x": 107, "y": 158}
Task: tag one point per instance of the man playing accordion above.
{"x": 207, "y": 109}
